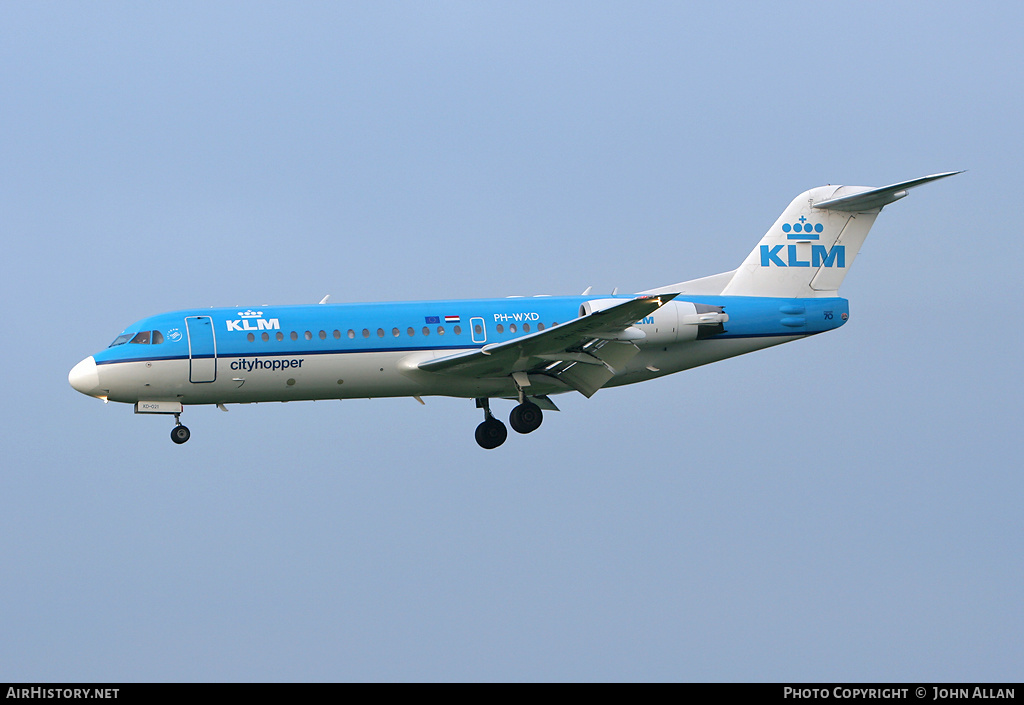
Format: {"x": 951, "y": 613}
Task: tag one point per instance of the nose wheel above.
{"x": 180, "y": 433}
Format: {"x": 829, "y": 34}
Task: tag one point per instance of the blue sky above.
{"x": 841, "y": 508}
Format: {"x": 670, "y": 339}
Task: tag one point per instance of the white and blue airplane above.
{"x": 520, "y": 348}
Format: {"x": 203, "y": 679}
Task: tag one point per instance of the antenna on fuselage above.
{"x": 325, "y": 299}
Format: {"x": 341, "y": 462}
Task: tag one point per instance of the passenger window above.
{"x": 395, "y": 332}
{"x": 294, "y": 336}
{"x": 323, "y": 335}
{"x": 251, "y": 338}
{"x": 309, "y": 336}
{"x": 411, "y": 331}
{"x": 158, "y": 337}
{"x": 337, "y": 335}
{"x": 440, "y": 330}
{"x": 478, "y": 329}
{"x": 526, "y": 327}
{"x": 540, "y": 326}
{"x": 457, "y": 330}
{"x": 366, "y": 333}
{"x": 499, "y": 327}
{"x": 280, "y": 335}
{"x": 380, "y": 332}
{"x": 351, "y": 334}
{"x": 512, "y": 328}
{"x": 266, "y": 337}
{"x": 426, "y": 331}
{"x": 141, "y": 338}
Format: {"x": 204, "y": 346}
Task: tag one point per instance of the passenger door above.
{"x": 202, "y": 349}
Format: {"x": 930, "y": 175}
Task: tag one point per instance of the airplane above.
{"x": 524, "y": 349}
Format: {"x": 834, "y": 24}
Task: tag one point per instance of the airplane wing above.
{"x": 584, "y": 353}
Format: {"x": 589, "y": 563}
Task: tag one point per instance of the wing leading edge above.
{"x": 584, "y": 353}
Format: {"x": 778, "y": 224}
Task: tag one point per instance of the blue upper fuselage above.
{"x": 422, "y": 325}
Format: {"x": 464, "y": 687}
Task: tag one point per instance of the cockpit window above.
{"x": 143, "y": 338}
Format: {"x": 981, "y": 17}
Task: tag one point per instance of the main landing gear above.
{"x": 526, "y": 418}
{"x": 180, "y": 433}
{"x": 491, "y": 433}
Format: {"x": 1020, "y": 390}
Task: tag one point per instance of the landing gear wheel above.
{"x": 491, "y": 433}
{"x": 526, "y": 417}
{"x": 180, "y": 434}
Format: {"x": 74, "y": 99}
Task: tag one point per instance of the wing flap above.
{"x": 587, "y": 379}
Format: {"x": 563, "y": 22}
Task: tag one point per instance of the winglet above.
{"x": 878, "y": 197}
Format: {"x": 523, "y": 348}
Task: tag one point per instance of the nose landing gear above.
{"x": 180, "y": 433}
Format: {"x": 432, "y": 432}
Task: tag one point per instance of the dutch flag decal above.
{"x": 451, "y": 319}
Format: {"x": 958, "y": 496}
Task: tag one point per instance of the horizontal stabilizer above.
{"x": 878, "y": 197}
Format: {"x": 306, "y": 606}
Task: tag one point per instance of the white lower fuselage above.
{"x": 378, "y": 374}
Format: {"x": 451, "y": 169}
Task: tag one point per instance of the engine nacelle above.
{"x": 589, "y": 307}
{"x": 675, "y": 322}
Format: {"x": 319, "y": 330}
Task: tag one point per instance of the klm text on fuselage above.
{"x": 261, "y": 324}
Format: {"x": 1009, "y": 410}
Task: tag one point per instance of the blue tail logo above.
{"x": 802, "y": 230}
{"x": 821, "y": 256}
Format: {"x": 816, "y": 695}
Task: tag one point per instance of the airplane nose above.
{"x": 85, "y": 378}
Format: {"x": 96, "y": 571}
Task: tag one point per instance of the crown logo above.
{"x": 250, "y": 314}
{"x": 802, "y": 230}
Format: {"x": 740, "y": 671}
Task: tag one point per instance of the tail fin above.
{"x": 812, "y": 245}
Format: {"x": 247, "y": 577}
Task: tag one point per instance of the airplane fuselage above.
{"x": 344, "y": 351}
